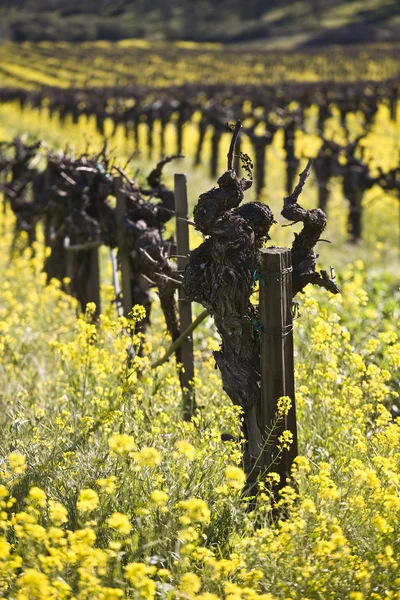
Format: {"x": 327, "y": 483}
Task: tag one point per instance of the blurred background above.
{"x": 307, "y": 78}
{"x": 279, "y": 23}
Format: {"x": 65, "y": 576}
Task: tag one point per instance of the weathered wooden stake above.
{"x": 74, "y": 255}
{"x": 69, "y": 266}
{"x": 393, "y": 104}
{"x": 123, "y": 254}
{"x": 117, "y": 287}
{"x": 94, "y": 282}
{"x": 277, "y": 361}
{"x": 185, "y": 305}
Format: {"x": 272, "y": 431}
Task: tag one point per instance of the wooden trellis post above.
{"x": 81, "y": 252}
{"x": 123, "y": 254}
{"x": 185, "y": 305}
{"x": 277, "y": 360}
{"x": 393, "y": 104}
{"x": 94, "y": 282}
{"x": 116, "y": 285}
{"x": 69, "y": 266}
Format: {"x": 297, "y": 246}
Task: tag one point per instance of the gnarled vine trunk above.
{"x": 221, "y": 276}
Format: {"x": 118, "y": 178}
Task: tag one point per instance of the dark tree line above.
{"x": 212, "y": 20}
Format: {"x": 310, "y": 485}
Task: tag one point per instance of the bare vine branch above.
{"x": 231, "y": 151}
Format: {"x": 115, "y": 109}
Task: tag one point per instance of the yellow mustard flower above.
{"x": 34, "y": 585}
{"x": 186, "y": 449}
{"x": 159, "y": 497}
{"x": 5, "y": 548}
{"x": 58, "y": 514}
{"x": 37, "y": 496}
{"x": 120, "y": 522}
{"x": 190, "y": 583}
{"x": 285, "y": 440}
{"x": 138, "y": 574}
{"x": 283, "y": 405}
{"x": 121, "y": 443}
{"x": 17, "y": 462}
{"x": 164, "y": 574}
{"x": 107, "y": 485}
{"x": 108, "y": 593}
{"x": 196, "y": 510}
{"x": 88, "y": 500}
{"x": 148, "y": 457}
{"x": 235, "y": 477}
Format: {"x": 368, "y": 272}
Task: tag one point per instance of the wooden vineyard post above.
{"x": 185, "y": 305}
{"x": 123, "y": 254}
{"x": 94, "y": 282}
{"x": 117, "y": 288}
{"x": 393, "y": 104}
{"x": 69, "y": 266}
{"x": 87, "y": 253}
{"x": 277, "y": 360}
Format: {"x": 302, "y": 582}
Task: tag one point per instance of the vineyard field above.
{"x": 162, "y": 64}
{"x": 106, "y": 491}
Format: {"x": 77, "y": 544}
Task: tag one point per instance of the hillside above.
{"x": 285, "y": 23}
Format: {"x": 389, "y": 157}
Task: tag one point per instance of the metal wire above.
{"x": 279, "y": 331}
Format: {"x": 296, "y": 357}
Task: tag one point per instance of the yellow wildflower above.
{"x": 148, "y": 457}
{"x": 88, "y": 501}
{"x": 108, "y": 593}
{"x": 159, "y": 497}
{"x": 283, "y": 406}
{"x": 120, "y": 522}
{"x": 5, "y": 548}
{"x": 285, "y": 440}
{"x": 189, "y": 534}
{"x": 186, "y": 449}
{"x": 121, "y": 443}
{"x": 235, "y": 477}
{"x": 164, "y": 574}
{"x": 37, "y": 496}
{"x": 190, "y": 583}
{"x": 372, "y": 345}
{"x": 138, "y": 313}
{"x": 272, "y": 478}
{"x": 381, "y": 524}
{"x": 34, "y": 585}
{"x": 137, "y": 573}
{"x": 107, "y": 485}
{"x": 17, "y": 462}
{"x": 196, "y": 510}
{"x": 58, "y": 514}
